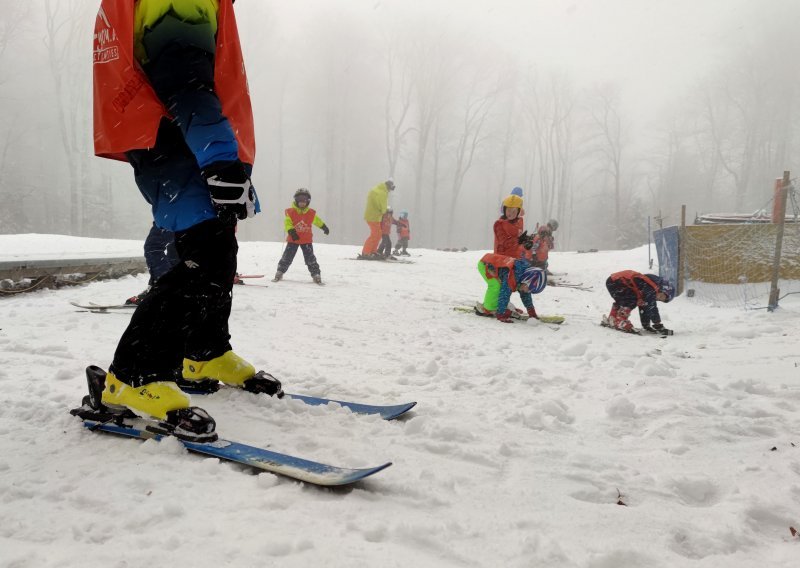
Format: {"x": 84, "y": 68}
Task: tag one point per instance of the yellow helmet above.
{"x": 513, "y": 201}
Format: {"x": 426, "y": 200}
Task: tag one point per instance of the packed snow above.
{"x": 531, "y": 444}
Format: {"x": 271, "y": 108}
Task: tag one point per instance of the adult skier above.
{"x": 171, "y": 98}
{"x": 377, "y": 204}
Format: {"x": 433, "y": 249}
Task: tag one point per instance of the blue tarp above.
{"x": 667, "y": 242}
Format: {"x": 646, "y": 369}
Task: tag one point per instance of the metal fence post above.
{"x": 682, "y": 251}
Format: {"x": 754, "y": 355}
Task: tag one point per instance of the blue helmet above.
{"x": 668, "y": 290}
{"x": 403, "y": 214}
{"x": 664, "y": 286}
{"x": 535, "y": 278}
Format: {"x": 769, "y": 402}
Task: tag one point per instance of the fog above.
{"x": 606, "y": 112}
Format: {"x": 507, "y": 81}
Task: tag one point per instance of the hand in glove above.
{"x": 325, "y": 229}
{"x": 231, "y": 191}
{"x": 659, "y": 328}
{"x": 523, "y": 237}
{"x": 293, "y": 234}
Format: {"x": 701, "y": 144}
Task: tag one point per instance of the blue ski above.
{"x": 385, "y": 411}
{"x": 259, "y": 458}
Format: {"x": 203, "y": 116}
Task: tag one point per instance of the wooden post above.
{"x": 780, "y": 213}
{"x": 681, "y": 251}
{"x": 776, "y": 201}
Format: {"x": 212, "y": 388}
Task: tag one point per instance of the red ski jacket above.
{"x": 403, "y": 228}
{"x": 386, "y": 223}
{"x": 506, "y": 234}
{"x": 626, "y": 278}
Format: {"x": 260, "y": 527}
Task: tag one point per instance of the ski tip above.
{"x": 342, "y": 477}
{"x": 359, "y": 475}
{"x": 399, "y": 410}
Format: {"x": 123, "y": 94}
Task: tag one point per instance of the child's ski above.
{"x": 92, "y": 307}
{"x": 387, "y": 260}
{"x": 633, "y": 331}
{"x": 514, "y": 315}
{"x": 605, "y": 323}
{"x": 255, "y": 457}
{"x": 574, "y": 286}
{"x": 240, "y": 278}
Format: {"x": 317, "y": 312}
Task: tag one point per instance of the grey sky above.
{"x": 653, "y": 49}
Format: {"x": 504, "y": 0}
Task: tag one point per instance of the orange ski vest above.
{"x": 403, "y": 228}
{"x": 627, "y": 276}
{"x": 302, "y": 224}
{"x": 127, "y": 111}
{"x": 494, "y": 262}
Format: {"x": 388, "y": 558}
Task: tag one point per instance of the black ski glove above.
{"x": 325, "y": 229}
{"x": 294, "y": 235}
{"x": 522, "y": 238}
{"x": 659, "y": 328}
{"x": 231, "y": 191}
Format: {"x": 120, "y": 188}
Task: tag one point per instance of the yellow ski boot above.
{"x": 152, "y": 400}
{"x": 161, "y": 403}
{"x": 231, "y": 370}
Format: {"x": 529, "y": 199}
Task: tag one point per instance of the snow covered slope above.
{"x": 525, "y": 443}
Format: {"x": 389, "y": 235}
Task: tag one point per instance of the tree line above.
{"x": 457, "y": 121}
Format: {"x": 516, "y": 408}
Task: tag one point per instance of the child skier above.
{"x": 299, "y": 218}
{"x": 518, "y": 192}
{"x": 508, "y": 234}
{"x": 630, "y": 289}
{"x": 543, "y": 243}
{"x": 385, "y": 248}
{"x": 503, "y": 276}
{"x": 403, "y": 234}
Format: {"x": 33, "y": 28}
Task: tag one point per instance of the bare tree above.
{"x": 748, "y": 109}
{"x": 434, "y": 71}
{"x": 62, "y": 41}
{"x": 471, "y": 136}
{"x": 11, "y": 26}
{"x": 396, "y": 115}
{"x": 609, "y": 144}
{"x": 12, "y": 217}
{"x": 549, "y": 115}
{"x": 554, "y": 147}
{"x": 509, "y": 135}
